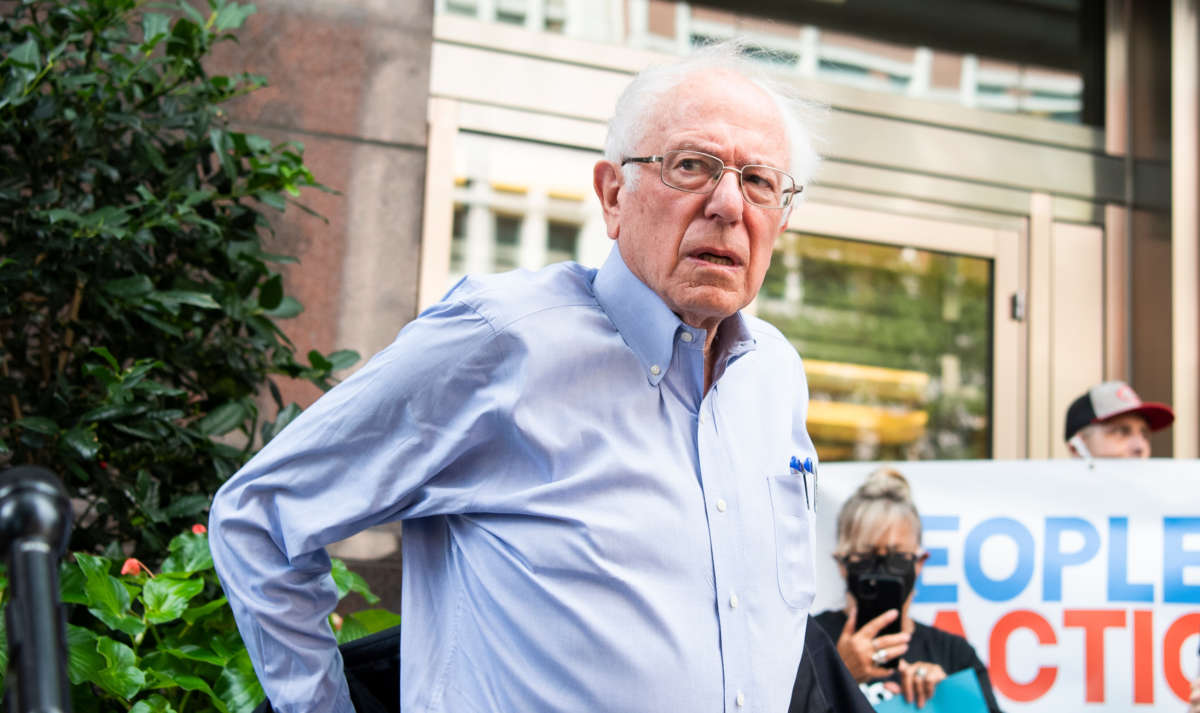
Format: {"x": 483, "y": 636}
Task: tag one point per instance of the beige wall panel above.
{"x": 1040, "y": 301}
{"x": 1077, "y": 321}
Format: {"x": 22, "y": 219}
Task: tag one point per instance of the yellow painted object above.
{"x": 895, "y": 385}
{"x": 850, "y": 423}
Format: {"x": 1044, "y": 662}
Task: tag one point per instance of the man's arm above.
{"x": 364, "y": 454}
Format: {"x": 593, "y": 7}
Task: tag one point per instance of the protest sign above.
{"x": 1077, "y": 583}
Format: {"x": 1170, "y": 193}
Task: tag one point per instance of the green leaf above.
{"x": 153, "y": 704}
{"x": 191, "y": 616}
{"x": 195, "y": 299}
{"x": 288, "y": 308}
{"x": 3, "y": 645}
{"x": 286, "y": 416}
{"x": 154, "y": 28}
{"x": 191, "y": 652}
{"x": 108, "y": 598}
{"x": 127, "y": 287}
{"x": 319, "y": 361}
{"x": 108, "y": 357}
{"x": 37, "y": 424}
{"x": 231, "y": 16}
{"x": 27, "y": 54}
{"x": 84, "y": 662}
{"x": 343, "y": 359}
{"x": 187, "y": 505}
{"x": 83, "y": 441}
{"x": 121, "y": 675}
{"x": 351, "y": 629}
{"x": 376, "y": 620}
{"x": 238, "y": 686}
{"x": 189, "y": 553}
{"x": 166, "y": 672}
{"x": 270, "y": 294}
{"x": 347, "y": 581}
{"x": 71, "y": 584}
{"x": 166, "y": 599}
{"x": 222, "y": 419}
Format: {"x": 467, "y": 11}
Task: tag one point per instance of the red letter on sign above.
{"x": 1183, "y": 627}
{"x": 998, "y": 656}
{"x": 948, "y": 620}
{"x": 1143, "y": 656}
{"x": 1094, "y": 622}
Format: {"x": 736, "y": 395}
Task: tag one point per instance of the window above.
{"x": 458, "y": 241}
{"x": 896, "y": 343}
{"x": 562, "y": 241}
{"x": 507, "y": 241}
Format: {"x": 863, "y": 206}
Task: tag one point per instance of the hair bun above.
{"x": 887, "y": 483}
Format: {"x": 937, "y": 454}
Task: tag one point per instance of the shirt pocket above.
{"x": 793, "y": 548}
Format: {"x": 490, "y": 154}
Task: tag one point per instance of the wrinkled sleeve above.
{"x": 371, "y": 450}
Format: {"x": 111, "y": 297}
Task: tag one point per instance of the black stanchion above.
{"x": 35, "y": 521}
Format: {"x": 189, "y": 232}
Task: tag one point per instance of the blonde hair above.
{"x": 884, "y": 499}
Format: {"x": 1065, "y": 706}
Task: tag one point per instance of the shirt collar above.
{"x": 649, "y": 326}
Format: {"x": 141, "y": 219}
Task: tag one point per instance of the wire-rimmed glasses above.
{"x": 698, "y": 172}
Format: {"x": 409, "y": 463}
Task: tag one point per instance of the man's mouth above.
{"x": 715, "y": 259}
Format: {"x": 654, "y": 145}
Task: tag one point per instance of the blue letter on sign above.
{"x": 938, "y": 557}
{"x": 1003, "y": 589}
{"x": 1120, "y": 589}
{"x": 1056, "y": 559}
{"x": 1175, "y": 558}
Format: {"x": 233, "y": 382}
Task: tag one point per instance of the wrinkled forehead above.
{"x": 721, "y": 107}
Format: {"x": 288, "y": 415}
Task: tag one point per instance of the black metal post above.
{"x": 35, "y": 521}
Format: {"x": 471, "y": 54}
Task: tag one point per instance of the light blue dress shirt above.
{"x": 584, "y": 528}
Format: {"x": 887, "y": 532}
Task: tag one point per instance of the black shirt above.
{"x": 950, "y": 651}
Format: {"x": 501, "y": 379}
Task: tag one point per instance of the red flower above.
{"x": 135, "y": 566}
{"x": 199, "y": 529}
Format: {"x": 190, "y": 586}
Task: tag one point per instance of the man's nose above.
{"x": 1140, "y": 446}
{"x": 725, "y": 202}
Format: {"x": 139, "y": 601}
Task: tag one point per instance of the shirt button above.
{"x": 655, "y": 370}
{"x": 733, "y": 601}
{"x": 686, "y": 336}
{"x": 721, "y": 505}
{"x": 741, "y": 699}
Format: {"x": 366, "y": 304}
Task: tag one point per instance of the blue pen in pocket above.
{"x": 798, "y": 469}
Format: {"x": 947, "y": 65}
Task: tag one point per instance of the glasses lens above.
{"x": 766, "y": 186}
{"x": 897, "y": 562}
{"x": 689, "y": 170}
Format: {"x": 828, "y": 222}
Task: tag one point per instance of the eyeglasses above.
{"x": 893, "y": 561}
{"x": 696, "y": 172}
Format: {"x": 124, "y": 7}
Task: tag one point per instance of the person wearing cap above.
{"x": 1111, "y": 421}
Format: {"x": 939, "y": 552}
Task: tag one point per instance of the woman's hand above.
{"x": 918, "y": 679}
{"x": 863, "y": 651}
{"x": 1194, "y": 701}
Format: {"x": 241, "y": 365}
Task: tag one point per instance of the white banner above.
{"x": 1078, "y": 584}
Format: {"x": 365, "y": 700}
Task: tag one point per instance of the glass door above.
{"x": 905, "y": 331}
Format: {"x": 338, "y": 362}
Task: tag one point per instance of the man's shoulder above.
{"x": 508, "y": 297}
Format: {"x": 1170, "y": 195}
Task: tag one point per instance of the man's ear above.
{"x": 607, "y": 179}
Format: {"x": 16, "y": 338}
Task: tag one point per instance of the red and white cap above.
{"x": 1112, "y": 399}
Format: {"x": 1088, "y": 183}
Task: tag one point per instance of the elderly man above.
{"x": 605, "y": 477}
{"x": 1112, "y": 421}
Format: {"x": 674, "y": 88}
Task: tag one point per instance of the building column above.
{"x": 1185, "y": 227}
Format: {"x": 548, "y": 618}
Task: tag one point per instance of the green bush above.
{"x": 138, "y": 304}
{"x": 164, "y": 641}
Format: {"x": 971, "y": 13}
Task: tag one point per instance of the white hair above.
{"x": 635, "y": 107}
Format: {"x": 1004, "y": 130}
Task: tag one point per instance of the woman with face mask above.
{"x": 879, "y": 555}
